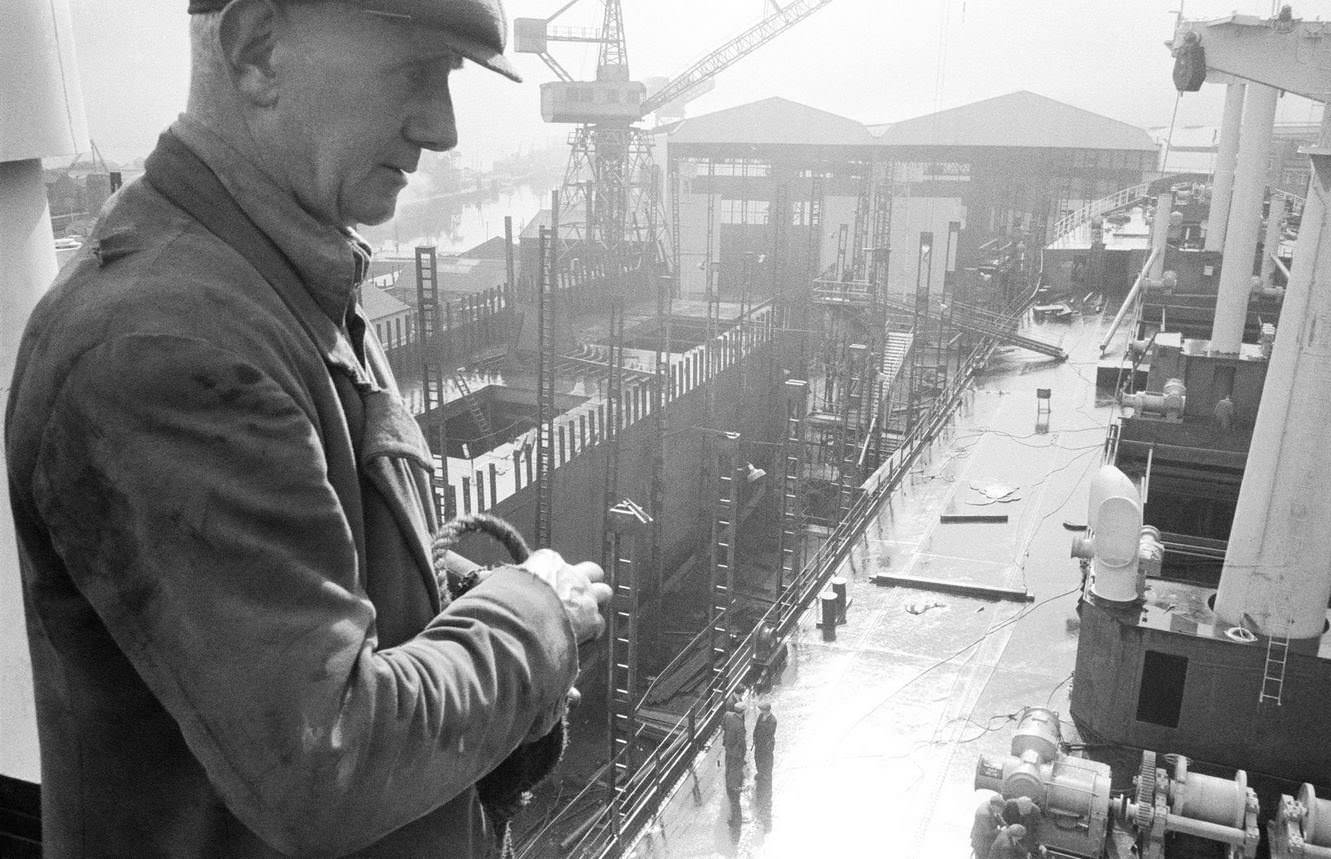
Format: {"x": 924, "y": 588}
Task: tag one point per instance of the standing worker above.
{"x": 239, "y": 644}
{"x": 988, "y": 820}
{"x": 764, "y": 744}
{"x": 734, "y": 736}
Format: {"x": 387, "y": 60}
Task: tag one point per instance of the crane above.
{"x": 609, "y": 193}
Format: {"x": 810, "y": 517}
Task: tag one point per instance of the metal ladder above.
{"x": 792, "y": 528}
{"x": 1273, "y": 675}
{"x": 725, "y": 525}
{"x": 545, "y": 383}
{"x": 432, "y": 378}
{"x": 625, "y": 521}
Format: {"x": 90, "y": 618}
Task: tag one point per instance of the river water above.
{"x": 457, "y": 223}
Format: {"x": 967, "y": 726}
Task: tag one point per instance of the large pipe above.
{"x": 41, "y": 115}
{"x": 1223, "y": 184}
{"x": 1130, "y": 300}
{"x": 1275, "y": 221}
{"x": 1276, "y": 565}
{"x": 1245, "y": 216}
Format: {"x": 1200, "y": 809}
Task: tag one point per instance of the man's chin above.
{"x": 374, "y": 217}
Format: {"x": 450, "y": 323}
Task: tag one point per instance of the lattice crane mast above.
{"x": 609, "y": 183}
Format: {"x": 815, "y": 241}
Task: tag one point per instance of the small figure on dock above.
{"x": 764, "y": 745}
{"x": 735, "y": 739}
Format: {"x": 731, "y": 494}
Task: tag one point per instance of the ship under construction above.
{"x": 978, "y": 446}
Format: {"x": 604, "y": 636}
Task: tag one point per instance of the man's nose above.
{"x": 430, "y": 124}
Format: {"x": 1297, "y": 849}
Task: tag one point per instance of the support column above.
{"x": 1276, "y": 568}
{"x": 1245, "y": 213}
{"x": 1223, "y": 183}
{"x": 41, "y": 115}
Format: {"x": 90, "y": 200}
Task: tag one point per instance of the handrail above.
{"x": 661, "y": 769}
{"x": 1116, "y": 200}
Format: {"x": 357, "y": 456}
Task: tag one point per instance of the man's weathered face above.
{"x": 359, "y": 97}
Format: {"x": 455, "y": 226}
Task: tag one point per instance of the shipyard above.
{"x": 947, "y": 459}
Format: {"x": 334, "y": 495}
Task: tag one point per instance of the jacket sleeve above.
{"x": 188, "y": 496}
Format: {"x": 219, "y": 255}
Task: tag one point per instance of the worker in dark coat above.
{"x": 988, "y": 820}
{"x": 734, "y": 738}
{"x": 764, "y": 746}
{"x": 1010, "y": 843}
{"x": 1025, "y": 811}
{"x": 239, "y": 644}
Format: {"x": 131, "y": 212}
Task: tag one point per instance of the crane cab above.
{"x": 592, "y": 101}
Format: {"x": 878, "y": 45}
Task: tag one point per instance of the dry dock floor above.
{"x": 879, "y": 731}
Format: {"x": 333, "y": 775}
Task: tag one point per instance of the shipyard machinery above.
{"x": 1077, "y": 817}
{"x": 1172, "y": 801}
{"x": 1301, "y": 827}
{"x": 609, "y": 198}
{"x": 1072, "y": 793}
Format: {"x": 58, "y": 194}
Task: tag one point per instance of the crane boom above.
{"x": 731, "y": 52}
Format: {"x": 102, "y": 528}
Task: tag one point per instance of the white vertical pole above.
{"x": 1223, "y": 184}
{"x": 41, "y": 114}
{"x": 1245, "y": 215}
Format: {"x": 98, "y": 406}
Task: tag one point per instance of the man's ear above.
{"x": 248, "y": 33}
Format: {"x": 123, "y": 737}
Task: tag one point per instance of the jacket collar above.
{"x": 331, "y": 260}
{"x": 294, "y": 271}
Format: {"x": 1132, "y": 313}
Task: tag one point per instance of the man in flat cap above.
{"x": 239, "y": 643}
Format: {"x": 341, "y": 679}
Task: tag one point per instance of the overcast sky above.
{"x": 871, "y": 60}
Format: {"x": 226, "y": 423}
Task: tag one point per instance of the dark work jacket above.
{"x": 238, "y": 643}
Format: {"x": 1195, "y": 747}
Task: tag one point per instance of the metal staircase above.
{"x": 473, "y": 405}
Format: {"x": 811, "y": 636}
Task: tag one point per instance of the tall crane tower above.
{"x": 609, "y": 196}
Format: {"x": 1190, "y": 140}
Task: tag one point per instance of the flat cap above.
{"x": 476, "y": 29}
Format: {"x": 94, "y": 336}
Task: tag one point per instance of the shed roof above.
{"x": 1020, "y": 119}
{"x": 379, "y": 304}
{"x": 770, "y": 121}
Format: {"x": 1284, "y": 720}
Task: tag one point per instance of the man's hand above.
{"x": 579, "y": 587}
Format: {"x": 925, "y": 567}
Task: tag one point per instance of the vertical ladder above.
{"x": 545, "y": 385}
{"x": 851, "y": 417}
{"x": 725, "y": 524}
{"x": 432, "y": 378}
{"x": 613, "y": 416}
{"x": 625, "y": 521}
{"x": 792, "y": 525}
{"x": 859, "y": 244}
{"x": 1273, "y": 674}
{"x": 841, "y": 239}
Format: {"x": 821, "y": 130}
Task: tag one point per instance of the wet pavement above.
{"x": 879, "y": 731}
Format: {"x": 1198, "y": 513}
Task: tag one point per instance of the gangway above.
{"x": 859, "y": 293}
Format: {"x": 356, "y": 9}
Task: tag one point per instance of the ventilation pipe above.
{"x": 1245, "y": 215}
